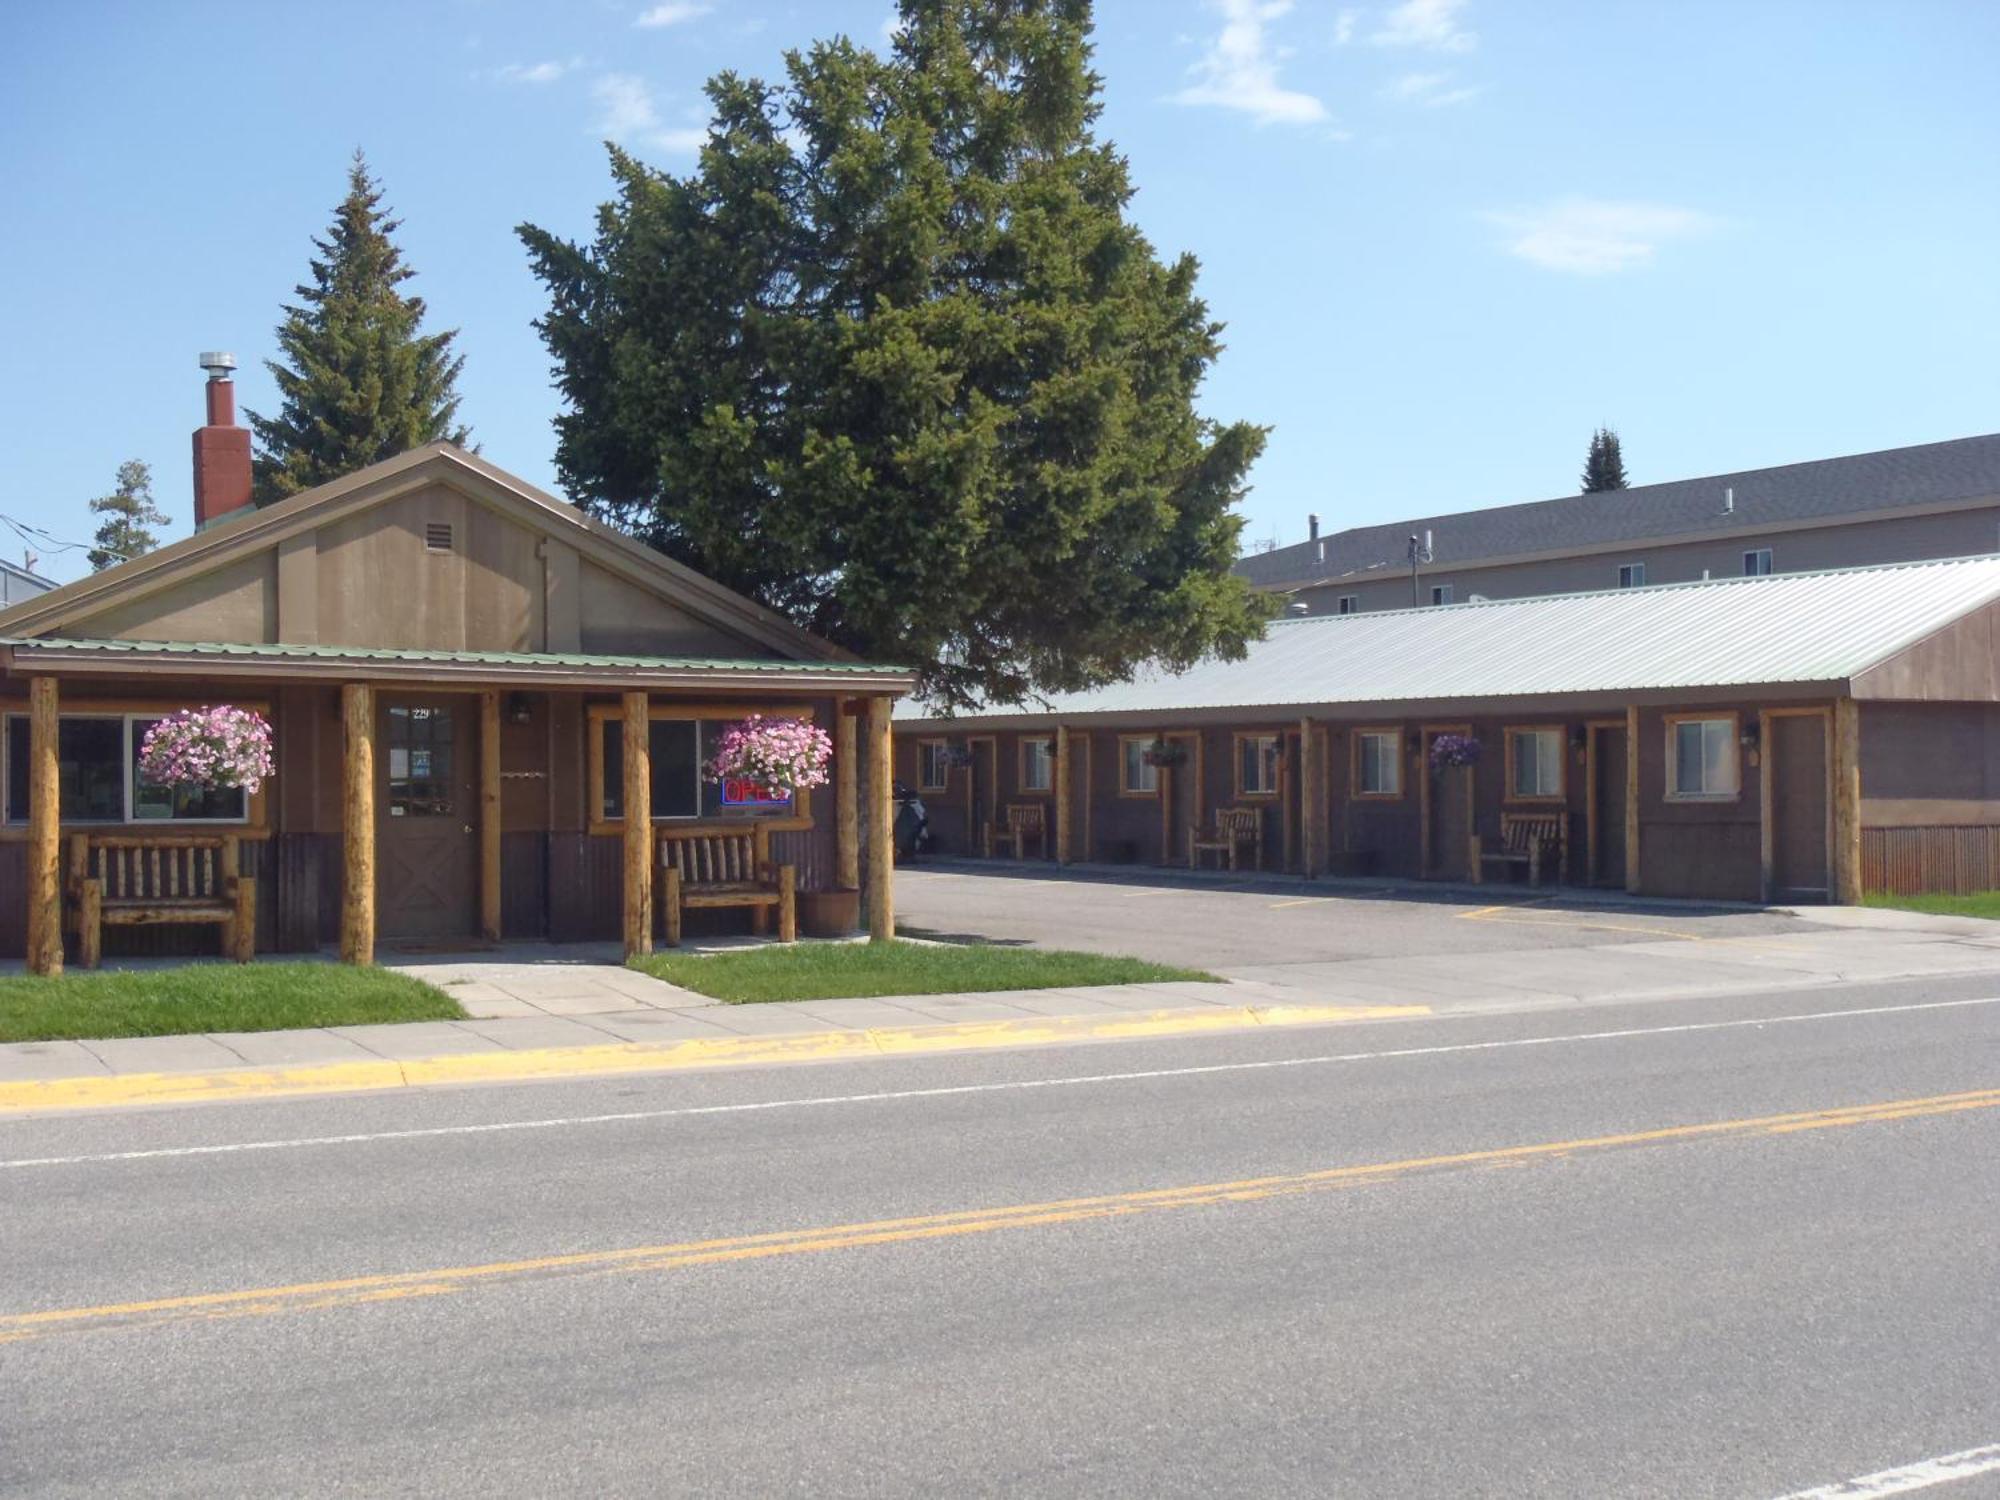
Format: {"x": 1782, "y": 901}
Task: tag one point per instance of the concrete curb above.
{"x": 99, "y": 1091}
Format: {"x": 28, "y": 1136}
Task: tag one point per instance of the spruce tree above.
{"x": 1604, "y": 468}
{"x": 129, "y": 518}
{"x": 360, "y": 381}
{"x": 893, "y": 360}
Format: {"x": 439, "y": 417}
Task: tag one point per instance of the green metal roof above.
{"x": 555, "y": 660}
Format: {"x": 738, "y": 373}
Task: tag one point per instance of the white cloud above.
{"x": 1596, "y": 236}
{"x": 630, "y": 117}
{"x": 1425, "y": 23}
{"x": 673, "y": 12}
{"x": 541, "y": 72}
{"x": 1429, "y": 91}
{"x": 1343, "y": 27}
{"x": 1240, "y": 69}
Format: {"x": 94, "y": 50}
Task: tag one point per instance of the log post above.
{"x": 638, "y": 827}
{"x": 1062, "y": 795}
{"x": 847, "y": 801}
{"x": 1846, "y": 799}
{"x": 45, "y": 932}
{"x": 489, "y": 815}
{"x": 880, "y": 874}
{"x": 1632, "y": 799}
{"x": 357, "y": 822}
{"x": 1310, "y": 778}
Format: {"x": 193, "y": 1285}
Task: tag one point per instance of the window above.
{"x": 1757, "y": 562}
{"x": 1378, "y": 763}
{"x": 1138, "y": 776}
{"x": 98, "y": 776}
{"x": 1701, "y": 758}
{"x": 1256, "y": 765}
{"x": 676, "y": 750}
{"x": 1534, "y": 763}
{"x": 1631, "y": 575}
{"x": 1038, "y": 765}
{"x": 933, "y": 765}
{"x": 1440, "y": 593}
{"x": 1347, "y": 604}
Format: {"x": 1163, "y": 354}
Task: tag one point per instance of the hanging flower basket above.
{"x": 216, "y": 748}
{"x": 782, "y": 756}
{"x": 1454, "y": 750}
{"x": 1166, "y": 753}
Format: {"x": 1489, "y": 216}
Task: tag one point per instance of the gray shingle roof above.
{"x": 1963, "y": 469}
{"x": 1721, "y": 633}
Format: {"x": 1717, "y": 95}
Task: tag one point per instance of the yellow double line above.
{"x": 302, "y": 1296}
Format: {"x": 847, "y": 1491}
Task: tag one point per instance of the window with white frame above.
{"x": 1038, "y": 765}
{"x": 1139, "y": 777}
{"x": 97, "y": 758}
{"x": 1257, "y": 765}
{"x": 1347, "y": 604}
{"x": 1702, "y": 759}
{"x": 1440, "y": 593}
{"x": 1756, "y": 562}
{"x": 1632, "y": 575}
{"x": 1535, "y": 763}
{"x": 933, "y": 765}
{"x": 1378, "y": 763}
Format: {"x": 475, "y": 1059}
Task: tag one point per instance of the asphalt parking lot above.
{"x": 1236, "y": 924}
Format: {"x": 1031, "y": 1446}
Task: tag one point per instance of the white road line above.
{"x": 954, "y": 1090}
{"x": 1918, "y": 1476}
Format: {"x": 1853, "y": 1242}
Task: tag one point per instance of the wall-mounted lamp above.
{"x": 519, "y": 709}
{"x": 1749, "y": 734}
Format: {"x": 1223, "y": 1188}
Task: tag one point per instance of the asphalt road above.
{"x": 1610, "y": 1253}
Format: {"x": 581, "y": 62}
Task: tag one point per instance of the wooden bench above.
{"x": 128, "y": 880}
{"x": 711, "y": 867}
{"x": 1025, "y": 820}
{"x": 1526, "y": 839}
{"x": 1234, "y": 828}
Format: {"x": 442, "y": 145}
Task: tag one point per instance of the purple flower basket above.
{"x": 1454, "y": 750}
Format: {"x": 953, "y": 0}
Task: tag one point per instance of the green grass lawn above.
{"x": 1978, "y": 904}
{"x": 838, "y": 971}
{"x": 212, "y": 997}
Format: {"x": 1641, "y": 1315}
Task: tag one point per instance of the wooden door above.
{"x": 1180, "y": 792}
{"x": 427, "y": 844}
{"x": 1607, "y": 804}
{"x": 1800, "y": 824}
{"x": 1448, "y": 791}
{"x": 980, "y": 806}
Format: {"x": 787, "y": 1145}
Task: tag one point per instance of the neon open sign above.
{"x": 740, "y": 791}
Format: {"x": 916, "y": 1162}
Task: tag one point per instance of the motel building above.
{"x": 489, "y": 714}
{"x": 1793, "y": 737}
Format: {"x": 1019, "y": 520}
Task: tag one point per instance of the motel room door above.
{"x": 1607, "y": 803}
{"x": 1447, "y": 794}
{"x": 1800, "y": 810}
{"x": 427, "y": 796}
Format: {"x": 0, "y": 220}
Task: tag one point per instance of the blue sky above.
{"x": 1448, "y": 238}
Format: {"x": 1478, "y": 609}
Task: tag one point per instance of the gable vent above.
{"x": 437, "y": 536}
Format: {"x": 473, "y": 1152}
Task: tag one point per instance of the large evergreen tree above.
{"x": 893, "y": 361}
{"x": 1604, "y": 467}
{"x": 360, "y": 381}
{"x": 129, "y": 518}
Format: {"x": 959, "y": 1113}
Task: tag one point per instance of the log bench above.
{"x": 1526, "y": 840}
{"x": 128, "y": 880}
{"x": 1235, "y": 828}
{"x": 716, "y": 867}
{"x": 1025, "y": 820}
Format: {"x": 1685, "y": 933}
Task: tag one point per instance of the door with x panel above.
{"x": 427, "y": 844}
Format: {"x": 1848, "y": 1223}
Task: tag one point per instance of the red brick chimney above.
{"x": 221, "y": 449}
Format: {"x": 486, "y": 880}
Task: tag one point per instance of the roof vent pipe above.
{"x": 1321, "y": 548}
{"x": 1312, "y": 528}
{"x": 1729, "y": 501}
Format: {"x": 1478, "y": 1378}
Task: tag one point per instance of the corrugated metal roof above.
{"x": 1784, "y": 628}
{"x": 552, "y": 659}
{"x": 1928, "y": 474}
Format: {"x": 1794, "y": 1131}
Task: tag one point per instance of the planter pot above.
{"x": 829, "y": 913}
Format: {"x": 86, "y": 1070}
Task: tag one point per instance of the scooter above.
{"x": 913, "y": 824}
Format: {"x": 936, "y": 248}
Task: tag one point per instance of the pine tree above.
{"x": 360, "y": 382}
{"x": 130, "y": 516}
{"x": 893, "y": 360}
{"x": 1604, "y": 469}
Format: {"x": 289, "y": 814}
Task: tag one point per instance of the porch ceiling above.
{"x": 278, "y": 662}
